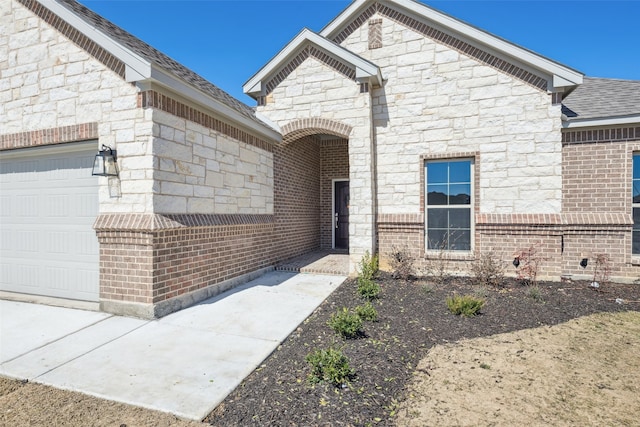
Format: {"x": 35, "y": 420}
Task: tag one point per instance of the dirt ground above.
{"x": 562, "y": 355}
{"x": 29, "y": 404}
{"x": 583, "y": 372}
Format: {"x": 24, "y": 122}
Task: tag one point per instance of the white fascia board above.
{"x": 569, "y": 77}
{"x": 135, "y": 64}
{"x": 364, "y": 69}
{"x": 160, "y": 76}
{"x": 608, "y": 121}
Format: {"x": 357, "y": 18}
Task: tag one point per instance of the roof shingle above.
{"x": 598, "y": 98}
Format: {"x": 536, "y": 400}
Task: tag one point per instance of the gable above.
{"x": 308, "y": 44}
{"x": 484, "y": 47}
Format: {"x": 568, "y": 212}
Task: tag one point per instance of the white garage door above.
{"x": 48, "y": 204}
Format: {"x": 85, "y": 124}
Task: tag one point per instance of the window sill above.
{"x": 454, "y": 256}
{"x": 635, "y": 260}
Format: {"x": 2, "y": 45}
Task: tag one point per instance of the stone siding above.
{"x": 437, "y": 100}
{"x": 201, "y": 171}
{"x": 49, "y": 83}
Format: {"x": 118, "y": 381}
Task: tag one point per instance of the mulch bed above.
{"x": 413, "y": 317}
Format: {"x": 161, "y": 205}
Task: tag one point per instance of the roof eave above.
{"x": 169, "y": 81}
{"x": 601, "y": 121}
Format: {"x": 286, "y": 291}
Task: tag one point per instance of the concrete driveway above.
{"x": 185, "y": 363}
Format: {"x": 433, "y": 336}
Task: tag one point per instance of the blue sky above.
{"x": 227, "y": 41}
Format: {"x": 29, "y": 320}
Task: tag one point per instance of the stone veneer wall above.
{"x": 334, "y": 164}
{"x": 297, "y": 197}
{"x": 444, "y": 99}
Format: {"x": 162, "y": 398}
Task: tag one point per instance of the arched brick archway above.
{"x": 306, "y": 127}
{"x": 313, "y": 157}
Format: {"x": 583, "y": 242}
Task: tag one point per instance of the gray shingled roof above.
{"x": 156, "y": 57}
{"x": 598, "y": 98}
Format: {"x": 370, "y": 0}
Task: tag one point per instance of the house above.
{"x": 396, "y": 126}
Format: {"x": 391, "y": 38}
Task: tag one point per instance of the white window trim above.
{"x": 449, "y": 253}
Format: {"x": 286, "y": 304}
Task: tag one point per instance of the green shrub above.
{"x": 534, "y": 293}
{"x": 367, "y": 312}
{"x": 368, "y": 289}
{"x": 368, "y": 266}
{"x": 466, "y": 305}
{"x": 346, "y": 323}
{"x": 329, "y": 365}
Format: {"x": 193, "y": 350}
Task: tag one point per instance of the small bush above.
{"x": 368, "y": 289}
{"x": 487, "y": 270}
{"x": 367, "y": 312}
{"x": 437, "y": 265}
{"x": 465, "y": 305}
{"x": 402, "y": 263}
{"x": 368, "y": 266}
{"x": 329, "y": 365}
{"x": 528, "y": 264}
{"x": 602, "y": 269}
{"x": 346, "y": 323}
{"x": 534, "y": 293}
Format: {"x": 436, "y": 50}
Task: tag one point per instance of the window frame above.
{"x": 470, "y": 207}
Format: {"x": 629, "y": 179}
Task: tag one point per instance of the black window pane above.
{"x": 460, "y": 171}
{"x": 437, "y": 218}
{"x": 636, "y": 242}
{"x": 636, "y": 166}
{"x": 460, "y": 218}
{"x": 437, "y": 173}
{"x": 437, "y": 239}
{"x": 636, "y": 191}
{"x": 460, "y": 194}
{"x": 460, "y": 240}
{"x": 437, "y": 194}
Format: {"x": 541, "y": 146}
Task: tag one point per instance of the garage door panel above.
{"x": 48, "y": 245}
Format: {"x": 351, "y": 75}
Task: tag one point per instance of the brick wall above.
{"x": 596, "y": 178}
{"x": 151, "y": 265}
{"x": 297, "y": 197}
{"x": 597, "y": 173}
{"x": 334, "y": 164}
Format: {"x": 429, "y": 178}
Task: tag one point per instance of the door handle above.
{"x": 336, "y": 214}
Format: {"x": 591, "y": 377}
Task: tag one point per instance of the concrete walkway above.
{"x": 185, "y": 363}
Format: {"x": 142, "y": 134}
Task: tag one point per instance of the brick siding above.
{"x": 150, "y": 259}
{"x": 60, "y": 135}
{"x": 334, "y": 164}
{"x": 297, "y": 197}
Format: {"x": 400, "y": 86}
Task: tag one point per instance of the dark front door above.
{"x": 341, "y": 215}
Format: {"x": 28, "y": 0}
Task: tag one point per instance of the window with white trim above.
{"x": 635, "y": 249}
{"x": 449, "y": 204}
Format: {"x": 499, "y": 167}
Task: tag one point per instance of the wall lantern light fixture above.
{"x": 105, "y": 162}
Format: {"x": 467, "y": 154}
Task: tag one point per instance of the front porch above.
{"x": 334, "y": 262}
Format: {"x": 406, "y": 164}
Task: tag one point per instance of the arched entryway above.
{"x": 311, "y": 186}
